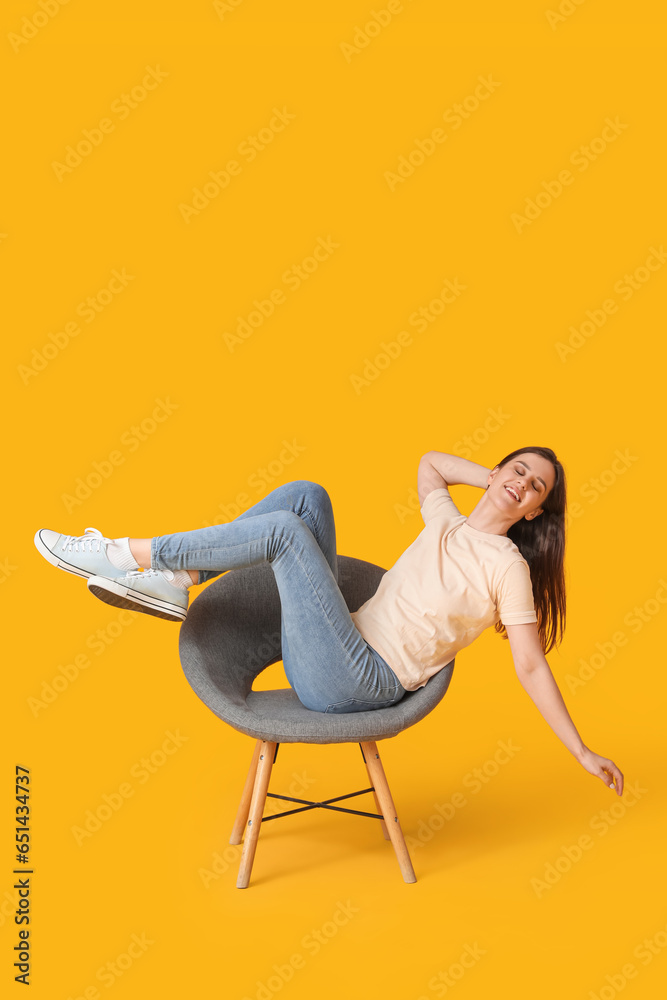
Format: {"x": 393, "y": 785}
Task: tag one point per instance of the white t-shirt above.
{"x": 449, "y": 585}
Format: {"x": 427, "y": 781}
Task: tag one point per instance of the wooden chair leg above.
{"x": 388, "y": 809}
{"x": 244, "y": 804}
{"x": 385, "y": 832}
{"x": 267, "y": 752}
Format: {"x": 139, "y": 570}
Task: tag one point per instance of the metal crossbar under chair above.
{"x": 231, "y": 634}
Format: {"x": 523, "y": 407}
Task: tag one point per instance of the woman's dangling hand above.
{"x": 602, "y": 768}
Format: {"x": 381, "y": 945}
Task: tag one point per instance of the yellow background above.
{"x": 494, "y": 348}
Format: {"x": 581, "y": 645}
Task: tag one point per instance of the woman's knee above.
{"x": 315, "y": 493}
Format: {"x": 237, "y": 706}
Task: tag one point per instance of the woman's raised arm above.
{"x": 438, "y": 469}
{"x": 539, "y": 683}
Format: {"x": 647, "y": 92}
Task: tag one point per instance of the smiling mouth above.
{"x": 513, "y": 493}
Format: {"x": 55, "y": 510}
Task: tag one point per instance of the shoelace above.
{"x": 145, "y": 573}
{"x": 87, "y": 542}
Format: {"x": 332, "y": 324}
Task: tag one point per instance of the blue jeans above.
{"x": 327, "y": 661}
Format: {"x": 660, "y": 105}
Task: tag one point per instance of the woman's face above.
{"x": 521, "y": 485}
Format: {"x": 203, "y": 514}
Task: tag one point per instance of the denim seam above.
{"x": 388, "y": 697}
{"x": 306, "y": 509}
{"x": 364, "y": 701}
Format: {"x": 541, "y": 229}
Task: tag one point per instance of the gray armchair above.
{"x": 231, "y": 634}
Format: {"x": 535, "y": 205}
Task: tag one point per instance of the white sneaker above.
{"x": 82, "y": 555}
{"x": 149, "y": 591}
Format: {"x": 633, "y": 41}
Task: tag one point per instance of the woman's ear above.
{"x": 533, "y": 514}
{"x": 492, "y": 476}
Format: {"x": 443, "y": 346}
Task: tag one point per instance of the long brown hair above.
{"x": 541, "y": 542}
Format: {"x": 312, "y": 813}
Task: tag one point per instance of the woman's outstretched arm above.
{"x": 539, "y": 683}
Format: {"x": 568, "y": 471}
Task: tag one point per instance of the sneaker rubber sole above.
{"x": 121, "y": 596}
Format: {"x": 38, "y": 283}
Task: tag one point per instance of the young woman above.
{"x": 502, "y": 566}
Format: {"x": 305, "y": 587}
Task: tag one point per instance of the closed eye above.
{"x": 536, "y": 488}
